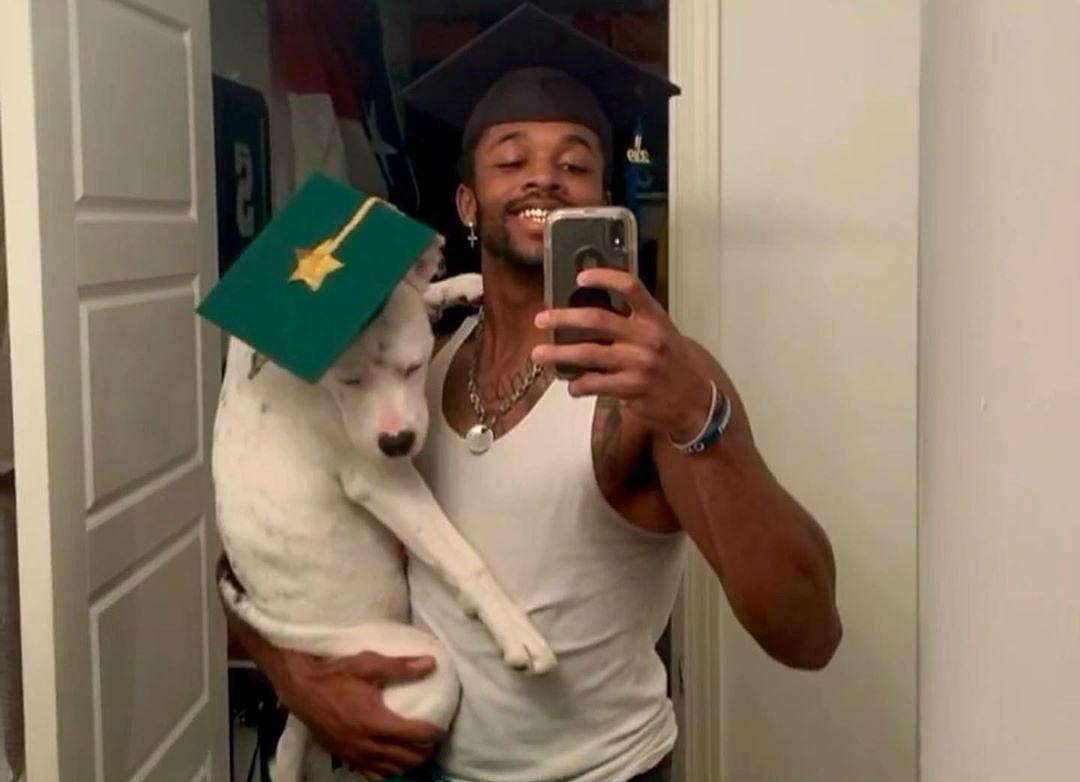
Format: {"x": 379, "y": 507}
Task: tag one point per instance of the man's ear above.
{"x": 465, "y": 199}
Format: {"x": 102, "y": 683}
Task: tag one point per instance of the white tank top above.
{"x": 599, "y": 589}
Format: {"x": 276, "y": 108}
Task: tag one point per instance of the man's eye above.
{"x": 509, "y": 165}
{"x": 575, "y": 168}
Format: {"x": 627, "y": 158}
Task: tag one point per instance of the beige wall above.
{"x": 818, "y": 310}
{"x": 1000, "y": 462}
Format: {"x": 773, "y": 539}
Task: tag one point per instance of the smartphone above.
{"x": 583, "y": 238}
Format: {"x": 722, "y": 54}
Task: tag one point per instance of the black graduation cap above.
{"x": 529, "y": 66}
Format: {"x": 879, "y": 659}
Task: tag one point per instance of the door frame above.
{"x": 694, "y": 284}
{"x": 694, "y": 293}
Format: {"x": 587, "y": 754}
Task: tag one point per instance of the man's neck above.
{"x": 513, "y": 294}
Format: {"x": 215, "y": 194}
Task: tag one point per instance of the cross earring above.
{"x": 472, "y": 234}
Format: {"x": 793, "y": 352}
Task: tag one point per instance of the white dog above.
{"x": 315, "y": 487}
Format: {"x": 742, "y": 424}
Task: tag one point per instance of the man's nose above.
{"x": 543, "y": 175}
{"x": 398, "y": 444}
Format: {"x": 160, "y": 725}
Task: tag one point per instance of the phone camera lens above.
{"x": 617, "y": 233}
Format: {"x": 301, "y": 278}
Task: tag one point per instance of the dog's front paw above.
{"x": 452, "y": 292}
{"x": 529, "y": 652}
{"x": 523, "y": 648}
{"x": 470, "y": 287}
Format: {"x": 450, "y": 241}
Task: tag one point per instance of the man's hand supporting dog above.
{"x": 341, "y": 701}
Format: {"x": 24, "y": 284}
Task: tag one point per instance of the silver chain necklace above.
{"x": 480, "y": 436}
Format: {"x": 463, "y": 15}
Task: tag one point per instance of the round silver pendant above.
{"x": 479, "y": 438}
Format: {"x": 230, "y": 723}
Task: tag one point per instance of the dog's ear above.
{"x": 429, "y": 267}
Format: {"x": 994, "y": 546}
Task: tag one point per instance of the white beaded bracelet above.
{"x": 715, "y": 424}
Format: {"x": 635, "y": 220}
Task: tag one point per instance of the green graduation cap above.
{"x": 316, "y": 275}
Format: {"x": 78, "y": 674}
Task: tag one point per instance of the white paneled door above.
{"x": 107, "y": 135}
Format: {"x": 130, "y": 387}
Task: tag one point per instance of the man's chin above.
{"x": 517, "y": 250}
{"x": 526, "y": 261}
{"x": 530, "y": 254}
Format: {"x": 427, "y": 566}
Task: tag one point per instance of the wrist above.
{"x": 288, "y": 671}
{"x": 716, "y": 425}
{"x": 696, "y": 415}
{"x": 691, "y": 425}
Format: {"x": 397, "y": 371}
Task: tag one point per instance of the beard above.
{"x": 495, "y": 237}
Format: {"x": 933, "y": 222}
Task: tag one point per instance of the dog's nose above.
{"x": 397, "y": 444}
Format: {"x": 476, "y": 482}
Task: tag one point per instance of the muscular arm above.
{"x": 772, "y": 558}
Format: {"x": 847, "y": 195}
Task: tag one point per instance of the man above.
{"x": 581, "y": 501}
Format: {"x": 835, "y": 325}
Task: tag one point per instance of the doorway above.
{"x": 365, "y": 57}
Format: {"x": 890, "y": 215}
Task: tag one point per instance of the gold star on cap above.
{"x": 314, "y": 265}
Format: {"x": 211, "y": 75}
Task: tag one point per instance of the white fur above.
{"x": 310, "y": 509}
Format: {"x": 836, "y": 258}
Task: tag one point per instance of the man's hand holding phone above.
{"x": 643, "y": 360}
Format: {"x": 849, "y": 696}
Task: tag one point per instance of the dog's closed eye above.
{"x": 352, "y": 381}
{"x": 412, "y": 369}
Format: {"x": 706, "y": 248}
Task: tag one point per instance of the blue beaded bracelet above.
{"x": 715, "y": 426}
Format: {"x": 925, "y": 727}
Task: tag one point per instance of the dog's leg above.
{"x": 397, "y": 496}
{"x": 288, "y": 762}
{"x": 459, "y": 289}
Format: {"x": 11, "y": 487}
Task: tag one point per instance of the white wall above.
{"x": 818, "y": 311}
{"x": 1000, "y": 418}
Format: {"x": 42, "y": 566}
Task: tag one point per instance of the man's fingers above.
{"x": 621, "y": 385}
{"x": 404, "y": 755}
{"x": 368, "y": 754}
{"x": 607, "y": 323}
{"x": 388, "y": 769}
{"x": 380, "y": 669}
{"x": 387, "y": 725}
{"x": 629, "y": 286}
{"x": 405, "y": 669}
{"x": 606, "y": 358}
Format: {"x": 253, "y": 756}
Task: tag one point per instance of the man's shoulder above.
{"x": 449, "y": 325}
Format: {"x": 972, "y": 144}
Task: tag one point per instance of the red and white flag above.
{"x": 315, "y": 62}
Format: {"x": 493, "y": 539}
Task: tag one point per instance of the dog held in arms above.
{"x": 315, "y": 488}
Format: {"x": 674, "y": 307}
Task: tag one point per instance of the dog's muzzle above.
{"x": 397, "y": 444}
